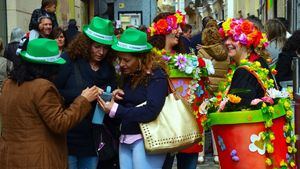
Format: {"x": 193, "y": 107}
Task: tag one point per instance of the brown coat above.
{"x": 221, "y": 67}
{"x": 34, "y": 125}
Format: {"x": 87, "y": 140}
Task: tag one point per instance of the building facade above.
{"x": 17, "y": 13}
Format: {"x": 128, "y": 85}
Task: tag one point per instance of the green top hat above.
{"x": 133, "y": 41}
{"x": 43, "y": 51}
{"x": 100, "y": 30}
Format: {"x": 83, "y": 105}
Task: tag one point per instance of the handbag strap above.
{"x": 171, "y": 89}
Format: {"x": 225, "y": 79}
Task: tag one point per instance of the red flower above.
{"x": 247, "y": 27}
{"x": 201, "y": 62}
{"x": 161, "y": 26}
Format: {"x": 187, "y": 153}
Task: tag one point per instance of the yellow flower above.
{"x": 179, "y": 17}
{"x": 292, "y": 164}
{"x": 243, "y": 61}
{"x": 271, "y": 109}
{"x": 264, "y": 105}
{"x": 272, "y": 136}
{"x": 285, "y": 128}
{"x": 226, "y": 24}
{"x": 289, "y": 113}
{"x": 270, "y": 148}
{"x": 257, "y": 64}
{"x": 283, "y": 163}
{"x": 294, "y": 149}
{"x": 288, "y": 139}
{"x": 290, "y": 149}
{"x": 286, "y": 104}
{"x": 268, "y": 162}
{"x": 268, "y": 124}
{"x": 233, "y": 98}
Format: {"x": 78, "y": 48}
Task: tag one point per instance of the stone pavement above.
{"x": 209, "y": 164}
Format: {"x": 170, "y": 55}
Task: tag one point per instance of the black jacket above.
{"x": 284, "y": 66}
{"x": 80, "y": 138}
{"x": 38, "y": 13}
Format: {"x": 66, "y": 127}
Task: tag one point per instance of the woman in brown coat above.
{"x": 34, "y": 122}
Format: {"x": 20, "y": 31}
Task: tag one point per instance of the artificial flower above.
{"x": 254, "y": 102}
{"x": 233, "y": 98}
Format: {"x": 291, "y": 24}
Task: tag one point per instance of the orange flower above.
{"x": 247, "y": 27}
{"x": 161, "y": 26}
{"x": 233, "y": 98}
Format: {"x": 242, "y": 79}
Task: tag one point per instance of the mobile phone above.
{"x": 106, "y": 96}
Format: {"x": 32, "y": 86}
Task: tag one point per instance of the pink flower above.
{"x": 222, "y": 104}
{"x": 267, "y": 100}
{"x": 255, "y": 102}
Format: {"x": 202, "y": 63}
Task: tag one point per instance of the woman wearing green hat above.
{"x": 144, "y": 80}
{"x": 34, "y": 121}
{"x": 88, "y": 59}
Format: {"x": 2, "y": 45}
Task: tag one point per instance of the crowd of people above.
{"x": 52, "y": 82}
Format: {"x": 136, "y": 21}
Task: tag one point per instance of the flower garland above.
{"x": 189, "y": 65}
{"x": 273, "y": 96}
{"x": 165, "y": 26}
{"x": 244, "y": 32}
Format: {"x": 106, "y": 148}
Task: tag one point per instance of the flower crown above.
{"x": 245, "y": 32}
{"x": 165, "y": 26}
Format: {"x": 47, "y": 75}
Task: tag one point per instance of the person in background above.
{"x": 186, "y": 37}
{"x": 3, "y": 65}
{"x": 48, "y": 9}
{"x": 35, "y": 121}
{"x": 290, "y": 50}
{"x": 72, "y": 30}
{"x": 11, "y": 48}
{"x": 287, "y": 26}
{"x": 45, "y": 30}
{"x": 144, "y": 81}
{"x": 59, "y": 36}
{"x": 88, "y": 63}
{"x": 196, "y": 39}
{"x": 276, "y": 34}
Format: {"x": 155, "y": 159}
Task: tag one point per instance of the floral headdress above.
{"x": 245, "y": 32}
{"x": 166, "y": 25}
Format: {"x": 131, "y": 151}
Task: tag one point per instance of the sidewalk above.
{"x": 209, "y": 164}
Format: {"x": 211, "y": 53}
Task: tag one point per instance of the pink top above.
{"x": 125, "y": 138}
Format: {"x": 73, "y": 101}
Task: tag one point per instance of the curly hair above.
{"x": 149, "y": 61}
{"x": 159, "y": 41}
{"x": 80, "y": 47}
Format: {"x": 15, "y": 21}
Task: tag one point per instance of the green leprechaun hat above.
{"x": 133, "y": 41}
{"x": 100, "y": 30}
{"x": 43, "y": 51}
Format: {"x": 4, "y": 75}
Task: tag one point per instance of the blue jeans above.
{"x": 82, "y": 162}
{"x": 134, "y": 156}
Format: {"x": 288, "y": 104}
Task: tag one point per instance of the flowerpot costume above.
{"x": 252, "y": 120}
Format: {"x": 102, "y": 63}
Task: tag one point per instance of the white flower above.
{"x": 189, "y": 69}
{"x": 274, "y": 93}
{"x": 203, "y": 107}
{"x": 257, "y": 144}
{"x": 209, "y": 66}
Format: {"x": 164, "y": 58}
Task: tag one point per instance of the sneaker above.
{"x": 200, "y": 159}
{"x": 216, "y": 159}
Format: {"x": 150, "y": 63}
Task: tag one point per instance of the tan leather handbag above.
{"x": 174, "y": 129}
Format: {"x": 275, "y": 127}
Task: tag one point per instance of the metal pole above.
{"x": 296, "y": 74}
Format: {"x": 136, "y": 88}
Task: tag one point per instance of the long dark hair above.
{"x": 27, "y": 71}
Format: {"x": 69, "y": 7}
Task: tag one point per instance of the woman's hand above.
{"x": 92, "y": 93}
{"x": 198, "y": 46}
{"x": 106, "y": 106}
{"x": 118, "y": 94}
